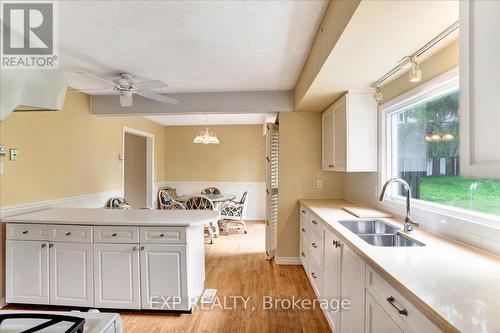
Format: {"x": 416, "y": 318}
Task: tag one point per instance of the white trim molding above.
{"x": 95, "y": 200}
{"x": 287, "y": 261}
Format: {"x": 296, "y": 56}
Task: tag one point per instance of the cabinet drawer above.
{"x": 397, "y": 307}
{"x": 315, "y": 246}
{"x": 315, "y": 275}
{"x": 27, "y": 231}
{"x": 315, "y": 224}
{"x": 70, "y": 233}
{"x": 116, "y": 234}
{"x": 163, "y": 235}
{"x": 304, "y": 252}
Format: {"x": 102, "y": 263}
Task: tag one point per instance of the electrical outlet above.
{"x": 319, "y": 183}
{"x": 14, "y": 154}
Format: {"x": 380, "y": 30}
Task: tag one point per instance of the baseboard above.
{"x": 287, "y": 260}
{"x": 94, "y": 200}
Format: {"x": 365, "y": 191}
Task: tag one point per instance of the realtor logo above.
{"x": 29, "y": 35}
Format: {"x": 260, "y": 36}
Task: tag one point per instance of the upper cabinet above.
{"x": 479, "y": 89}
{"x": 349, "y": 134}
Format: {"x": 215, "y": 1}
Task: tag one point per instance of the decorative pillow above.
{"x": 166, "y": 199}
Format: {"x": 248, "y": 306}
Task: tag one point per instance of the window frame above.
{"x": 441, "y": 85}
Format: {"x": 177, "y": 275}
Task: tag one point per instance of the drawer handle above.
{"x": 331, "y": 166}
{"x": 51, "y": 246}
{"x": 337, "y": 243}
{"x": 303, "y": 230}
{"x": 314, "y": 245}
{"x": 314, "y": 275}
{"x": 68, "y": 234}
{"x": 134, "y": 248}
{"x": 303, "y": 211}
{"x": 314, "y": 222}
{"x": 142, "y": 248}
{"x": 391, "y": 302}
{"x": 43, "y": 245}
{"x": 25, "y": 232}
{"x": 303, "y": 254}
{"x": 114, "y": 234}
{"x": 162, "y": 235}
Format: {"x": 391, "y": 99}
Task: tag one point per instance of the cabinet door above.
{"x": 71, "y": 274}
{"x": 377, "y": 320}
{"x": 27, "y": 268}
{"x": 339, "y": 135}
{"x": 164, "y": 277}
{"x": 116, "y": 276}
{"x": 327, "y": 139}
{"x": 353, "y": 288}
{"x": 331, "y": 281}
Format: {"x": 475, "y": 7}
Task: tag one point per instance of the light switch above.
{"x": 14, "y": 154}
{"x": 319, "y": 183}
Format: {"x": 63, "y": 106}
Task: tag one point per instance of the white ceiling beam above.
{"x": 203, "y": 102}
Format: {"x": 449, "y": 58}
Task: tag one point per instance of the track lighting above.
{"x": 415, "y": 72}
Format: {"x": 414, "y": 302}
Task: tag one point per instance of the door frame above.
{"x": 150, "y": 141}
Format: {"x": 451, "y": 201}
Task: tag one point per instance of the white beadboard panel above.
{"x": 256, "y": 194}
{"x": 95, "y": 200}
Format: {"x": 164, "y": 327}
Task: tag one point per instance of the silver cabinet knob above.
{"x": 314, "y": 275}
{"x": 43, "y": 245}
{"x": 114, "y": 234}
{"x": 314, "y": 222}
{"x": 68, "y": 234}
{"x": 142, "y": 248}
{"x": 162, "y": 235}
{"x": 51, "y": 245}
{"x": 314, "y": 245}
{"x": 25, "y": 232}
{"x": 303, "y": 230}
{"x": 134, "y": 248}
{"x": 337, "y": 243}
{"x": 303, "y": 254}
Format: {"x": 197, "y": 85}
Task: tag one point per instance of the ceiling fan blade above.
{"x": 158, "y": 97}
{"x": 126, "y": 101}
{"x": 147, "y": 85}
{"x": 96, "y": 77}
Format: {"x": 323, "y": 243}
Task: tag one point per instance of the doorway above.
{"x": 137, "y": 168}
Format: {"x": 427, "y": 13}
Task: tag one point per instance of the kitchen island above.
{"x": 105, "y": 258}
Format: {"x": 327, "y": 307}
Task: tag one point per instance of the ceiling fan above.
{"x": 127, "y": 86}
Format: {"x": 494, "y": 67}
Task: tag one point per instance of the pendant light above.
{"x": 206, "y": 137}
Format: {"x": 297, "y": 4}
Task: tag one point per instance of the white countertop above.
{"x": 454, "y": 285}
{"x": 102, "y": 216}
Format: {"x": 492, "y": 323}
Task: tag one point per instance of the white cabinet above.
{"x": 71, "y": 274}
{"x": 377, "y": 320}
{"x": 163, "y": 277}
{"x": 116, "y": 269}
{"x": 27, "y": 268}
{"x": 352, "y": 284}
{"x": 331, "y": 283}
{"x": 349, "y": 134}
{"x": 479, "y": 89}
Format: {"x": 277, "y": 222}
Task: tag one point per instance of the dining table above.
{"x": 216, "y": 198}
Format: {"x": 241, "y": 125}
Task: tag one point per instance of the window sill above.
{"x": 428, "y": 213}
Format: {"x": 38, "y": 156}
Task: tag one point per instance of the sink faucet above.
{"x": 409, "y": 223}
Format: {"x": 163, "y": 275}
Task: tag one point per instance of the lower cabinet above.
{"x": 117, "y": 280}
{"x": 27, "y": 272}
{"x": 71, "y": 274}
{"x": 163, "y": 280}
{"x": 377, "y": 320}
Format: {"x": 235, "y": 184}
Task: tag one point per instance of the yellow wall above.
{"x": 440, "y": 62}
{"x": 135, "y": 171}
{"x": 239, "y": 157}
{"x": 300, "y": 168}
{"x": 67, "y": 153}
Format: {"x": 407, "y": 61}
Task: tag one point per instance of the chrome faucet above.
{"x": 409, "y": 223}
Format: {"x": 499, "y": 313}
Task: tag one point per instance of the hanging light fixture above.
{"x": 415, "y": 72}
{"x": 206, "y": 137}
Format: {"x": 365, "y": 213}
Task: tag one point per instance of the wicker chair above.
{"x": 167, "y": 202}
{"x": 117, "y": 203}
{"x": 211, "y": 190}
{"x": 203, "y": 203}
{"x": 233, "y": 214}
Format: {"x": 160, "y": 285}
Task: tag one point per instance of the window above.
{"x": 422, "y": 146}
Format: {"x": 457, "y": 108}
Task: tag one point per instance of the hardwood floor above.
{"x": 236, "y": 267}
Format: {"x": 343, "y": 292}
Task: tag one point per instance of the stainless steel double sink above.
{"x": 379, "y": 233}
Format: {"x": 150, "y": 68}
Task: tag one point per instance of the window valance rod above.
{"x": 417, "y": 54}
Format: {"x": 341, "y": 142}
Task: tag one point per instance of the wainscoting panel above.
{"x": 256, "y": 195}
{"x": 95, "y": 200}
